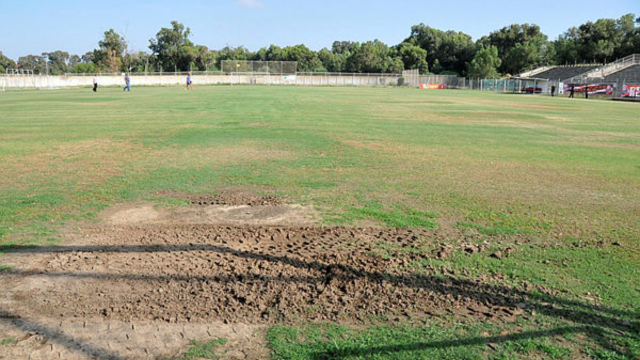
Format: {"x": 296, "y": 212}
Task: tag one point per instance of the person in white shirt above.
{"x": 95, "y": 82}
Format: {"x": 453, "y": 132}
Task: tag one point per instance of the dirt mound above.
{"x": 235, "y": 199}
{"x": 228, "y": 197}
{"x": 182, "y": 274}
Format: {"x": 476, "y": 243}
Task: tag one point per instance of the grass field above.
{"x": 553, "y": 182}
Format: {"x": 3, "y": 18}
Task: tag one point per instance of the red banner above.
{"x": 593, "y": 89}
{"x": 433, "y": 86}
{"x": 631, "y": 91}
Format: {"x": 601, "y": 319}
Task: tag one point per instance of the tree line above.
{"x": 509, "y": 50}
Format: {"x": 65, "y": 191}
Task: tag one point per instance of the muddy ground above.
{"x": 148, "y": 279}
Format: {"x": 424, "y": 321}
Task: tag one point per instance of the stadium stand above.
{"x": 618, "y": 73}
{"x": 565, "y": 72}
{"x": 628, "y": 75}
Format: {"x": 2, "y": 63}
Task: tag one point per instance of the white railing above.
{"x": 536, "y": 71}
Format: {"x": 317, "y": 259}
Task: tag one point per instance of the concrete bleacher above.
{"x": 630, "y": 75}
{"x": 561, "y": 73}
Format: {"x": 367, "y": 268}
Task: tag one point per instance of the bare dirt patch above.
{"x": 208, "y": 211}
{"x": 149, "y": 280}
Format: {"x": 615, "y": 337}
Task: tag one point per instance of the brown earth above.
{"x": 170, "y": 282}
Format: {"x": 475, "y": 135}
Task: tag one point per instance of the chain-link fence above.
{"x": 264, "y": 67}
{"x": 414, "y": 79}
{"x": 496, "y": 85}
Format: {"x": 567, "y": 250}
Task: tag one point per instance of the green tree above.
{"x": 392, "y": 65}
{"x": 73, "y": 61}
{"x": 229, "y": 53}
{"x": 597, "y": 41}
{"x": 331, "y": 61}
{"x": 520, "y": 47}
{"x": 413, "y": 57}
{"x": 307, "y": 59}
{"x": 272, "y": 53}
{"x": 109, "y": 56}
{"x": 35, "y": 63}
{"x": 342, "y": 47}
{"x": 566, "y": 48}
{"x": 601, "y": 41}
{"x": 84, "y": 68}
{"x": 6, "y": 63}
{"x": 485, "y": 63}
{"x": 373, "y": 57}
{"x": 448, "y": 51}
{"x": 58, "y": 62}
{"x": 172, "y": 47}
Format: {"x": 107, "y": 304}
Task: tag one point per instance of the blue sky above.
{"x": 36, "y": 26}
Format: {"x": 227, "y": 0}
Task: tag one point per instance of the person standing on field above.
{"x": 189, "y": 82}
{"x": 127, "y": 82}
{"x": 95, "y": 82}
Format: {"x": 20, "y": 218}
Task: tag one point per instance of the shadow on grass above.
{"x": 345, "y": 352}
{"x": 595, "y": 321}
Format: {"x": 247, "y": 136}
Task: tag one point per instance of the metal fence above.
{"x": 414, "y": 79}
{"x": 495, "y": 85}
{"x": 267, "y": 67}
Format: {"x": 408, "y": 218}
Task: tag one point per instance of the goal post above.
{"x": 17, "y": 79}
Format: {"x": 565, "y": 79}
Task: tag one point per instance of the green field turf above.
{"x": 560, "y": 174}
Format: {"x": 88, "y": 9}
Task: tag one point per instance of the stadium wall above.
{"x": 300, "y": 79}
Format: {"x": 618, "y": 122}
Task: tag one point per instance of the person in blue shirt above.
{"x": 127, "y": 81}
{"x": 189, "y": 83}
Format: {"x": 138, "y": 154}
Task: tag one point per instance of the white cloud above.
{"x": 254, "y": 4}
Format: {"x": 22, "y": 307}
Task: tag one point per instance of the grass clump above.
{"x": 203, "y": 350}
{"x": 7, "y": 341}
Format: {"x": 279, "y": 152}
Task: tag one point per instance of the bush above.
{"x": 401, "y": 81}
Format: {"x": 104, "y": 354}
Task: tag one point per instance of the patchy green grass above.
{"x": 397, "y": 216}
{"x": 435, "y": 341}
{"x": 5, "y": 267}
{"x": 7, "y": 341}
{"x": 556, "y": 179}
{"x": 203, "y": 350}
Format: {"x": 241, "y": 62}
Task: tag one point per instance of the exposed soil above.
{"x": 230, "y": 207}
{"x": 143, "y": 270}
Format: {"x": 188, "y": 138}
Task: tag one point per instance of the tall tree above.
{"x": 342, "y": 47}
{"x": 109, "y": 56}
{"x": 601, "y": 41}
{"x": 171, "y": 46}
{"x": 58, "y": 62}
{"x": 35, "y": 63}
{"x": 331, "y": 61}
{"x": 485, "y": 63}
{"x": 306, "y": 58}
{"x": 6, "y": 63}
{"x": 230, "y": 53}
{"x": 373, "y": 57}
{"x": 520, "y": 46}
{"x": 448, "y": 51}
{"x": 413, "y": 57}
